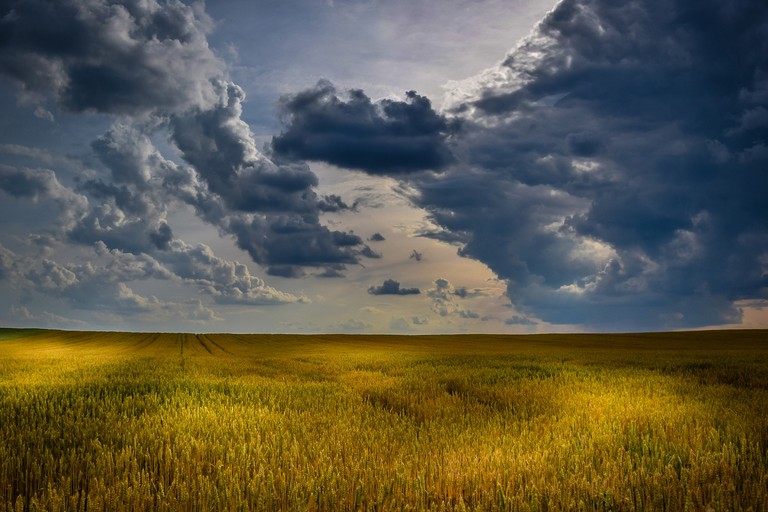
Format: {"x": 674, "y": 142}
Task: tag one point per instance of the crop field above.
{"x": 129, "y": 421}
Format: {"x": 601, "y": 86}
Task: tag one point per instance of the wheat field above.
{"x": 134, "y": 422}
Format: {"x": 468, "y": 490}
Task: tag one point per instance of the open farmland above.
{"x": 121, "y": 421}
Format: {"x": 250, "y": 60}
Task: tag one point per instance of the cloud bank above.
{"x": 611, "y": 168}
{"x": 147, "y": 66}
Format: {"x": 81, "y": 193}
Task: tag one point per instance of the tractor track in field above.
{"x": 202, "y": 343}
{"x": 213, "y": 342}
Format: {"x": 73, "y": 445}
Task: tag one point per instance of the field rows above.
{"x": 143, "y": 421}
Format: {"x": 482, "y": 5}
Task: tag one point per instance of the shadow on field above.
{"x": 456, "y": 388}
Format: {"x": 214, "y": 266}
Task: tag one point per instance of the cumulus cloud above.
{"x": 610, "y": 168}
{"x": 114, "y": 57}
{"x": 103, "y": 284}
{"x": 42, "y": 186}
{"x": 99, "y": 288}
{"x": 148, "y": 65}
{"x": 37, "y": 184}
{"x": 445, "y": 298}
{"x": 392, "y": 287}
{"x": 376, "y": 237}
{"x": 350, "y": 130}
{"x": 226, "y": 281}
{"x": 594, "y": 167}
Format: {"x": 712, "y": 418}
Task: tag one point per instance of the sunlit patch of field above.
{"x": 119, "y": 421}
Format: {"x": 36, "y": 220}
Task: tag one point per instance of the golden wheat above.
{"x": 119, "y": 421}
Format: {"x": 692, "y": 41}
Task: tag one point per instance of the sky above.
{"x": 399, "y": 166}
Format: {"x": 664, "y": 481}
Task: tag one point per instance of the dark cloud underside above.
{"x": 392, "y": 287}
{"x": 615, "y": 183}
{"x": 386, "y": 137}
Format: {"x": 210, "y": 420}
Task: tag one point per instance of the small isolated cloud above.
{"x": 376, "y": 237}
{"x": 43, "y": 114}
{"x": 444, "y": 300}
{"x": 392, "y": 287}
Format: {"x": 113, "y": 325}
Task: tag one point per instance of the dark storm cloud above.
{"x": 270, "y": 208}
{"x": 389, "y": 136}
{"x": 291, "y": 240}
{"x": 220, "y": 146}
{"x": 613, "y": 166}
{"x": 392, "y": 287}
{"x": 115, "y": 57}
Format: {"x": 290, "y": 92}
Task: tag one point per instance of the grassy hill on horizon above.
{"x": 182, "y": 421}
